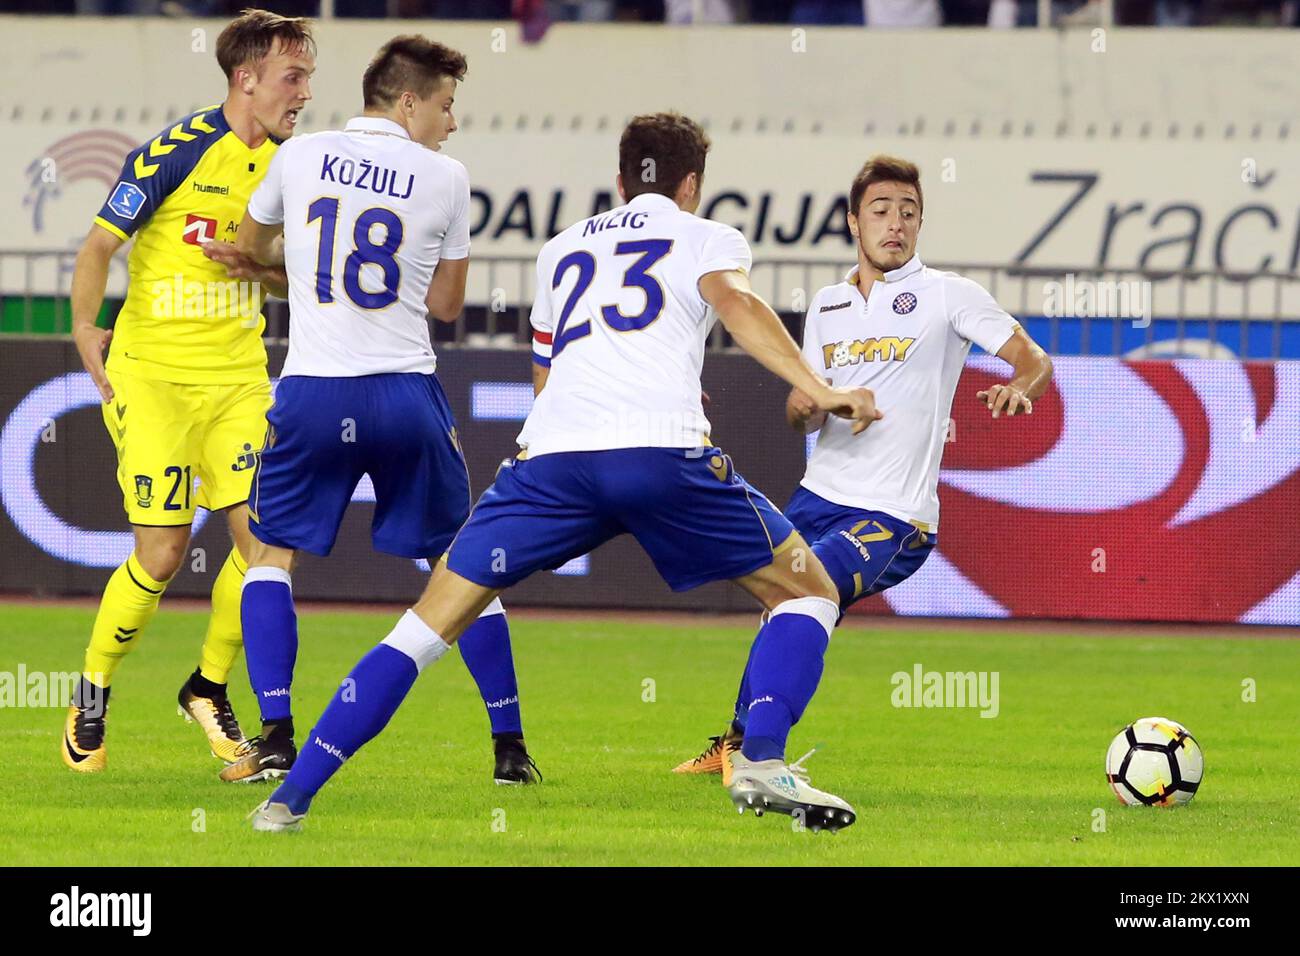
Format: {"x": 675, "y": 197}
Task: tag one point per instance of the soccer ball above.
{"x": 1155, "y": 762}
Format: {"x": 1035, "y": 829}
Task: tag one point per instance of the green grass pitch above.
{"x": 931, "y": 786}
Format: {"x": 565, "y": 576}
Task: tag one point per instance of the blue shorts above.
{"x": 326, "y": 433}
{"x": 864, "y": 552}
{"x": 697, "y": 519}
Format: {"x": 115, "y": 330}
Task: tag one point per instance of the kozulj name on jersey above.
{"x": 360, "y": 268}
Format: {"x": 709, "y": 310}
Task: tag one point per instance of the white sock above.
{"x": 417, "y": 641}
{"x": 824, "y": 612}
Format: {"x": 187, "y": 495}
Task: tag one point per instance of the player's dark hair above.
{"x": 409, "y": 63}
{"x": 884, "y": 169}
{"x": 658, "y": 151}
{"x": 250, "y": 37}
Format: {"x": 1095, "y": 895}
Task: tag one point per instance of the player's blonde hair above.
{"x": 249, "y": 38}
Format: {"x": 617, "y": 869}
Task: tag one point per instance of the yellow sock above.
{"x": 128, "y": 604}
{"x": 225, "y": 634}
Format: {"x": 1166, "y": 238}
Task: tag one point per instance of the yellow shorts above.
{"x": 184, "y": 446}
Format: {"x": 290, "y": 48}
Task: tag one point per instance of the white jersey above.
{"x": 619, "y": 321}
{"x": 907, "y": 342}
{"x": 367, "y": 214}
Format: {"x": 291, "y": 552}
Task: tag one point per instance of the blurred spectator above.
{"x": 770, "y": 11}
{"x": 966, "y": 13}
{"x": 1028, "y": 16}
{"x": 581, "y": 11}
{"x": 894, "y": 14}
{"x": 699, "y": 11}
{"x": 1174, "y": 13}
{"x": 828, "y": 13}
{"x": 105, "y": 8}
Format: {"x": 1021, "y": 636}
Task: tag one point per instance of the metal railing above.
{"x": 1248, "y": 312}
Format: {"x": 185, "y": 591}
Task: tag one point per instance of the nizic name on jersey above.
{"x": 887, "y": 348}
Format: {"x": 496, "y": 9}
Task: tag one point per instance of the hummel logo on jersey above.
{"x": 199, "y": 229}
{"x": 832, "y": 308}
{"x": 204, "y": 188}
{"x": 329, "y": 749}
{"x": 888, "y": 348}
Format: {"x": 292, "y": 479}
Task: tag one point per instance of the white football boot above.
{"x": 772, "y": 785}
{"x": 271, "y": 817}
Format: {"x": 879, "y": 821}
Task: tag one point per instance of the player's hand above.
{"x": 1006, "y": 398}
{"x": 801, "y": 404}
{"x": 236, "y": 264}
{"x": 858, "y": 405}
{"x": 92, "y": 342}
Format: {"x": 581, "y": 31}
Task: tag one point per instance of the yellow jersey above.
{"x": 185, "y": 320}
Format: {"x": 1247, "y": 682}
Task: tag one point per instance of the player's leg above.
{"x": 785, "y": 667}
{"x": 304, "y": 477}
{"x": 155, "y": 460}
{"x": 372, "y": 692}
{"x": 270, "y": 629}
{"x": 864, "y": 552}
{"x": 230, "y": 428}
{"x": 127, "y": 606}
{"x": 699, "y": 521}
{"x": 422, "y": 498}
{"x": 537, "y": 514}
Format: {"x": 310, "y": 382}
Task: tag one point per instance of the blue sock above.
{"x": 785, "y": 671}
{"x": 842, "y": 576}
{"x": 359, "y": 710}
{"x": 744, "y": 695}
{"x": 270, "y": 639}
{"x": 485, "y": 647}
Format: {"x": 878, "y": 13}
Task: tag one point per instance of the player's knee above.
{"x": 809, "y": 578}
{"x": 161, "y": 555}
{"x": 263, "y": 555}
{"x": 824, "y": 611}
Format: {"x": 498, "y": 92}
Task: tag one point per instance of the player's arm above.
{"x": 146, "y": 180}
{"x": 89, "y": 280}
{"x": 446, "y": 296}
{"x": 542, "y": 322}
{"x": 802, "y": 413}
{"x": 239, "y": 265}
{"x": 1032, "y": 372}
{"x": 258, "y": 250}
{"x": 977, "y": 318}
{"x": 758, "y": 330}
{"x": 258, "y": 255}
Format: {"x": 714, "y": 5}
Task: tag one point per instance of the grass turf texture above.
{"x": 931, "y": 786}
